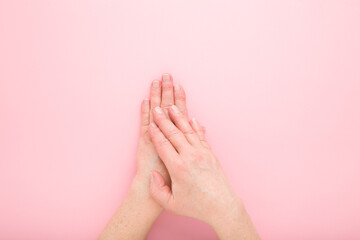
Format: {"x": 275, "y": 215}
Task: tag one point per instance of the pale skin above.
{"x": 176, "y": 171}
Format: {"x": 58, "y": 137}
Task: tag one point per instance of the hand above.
{"x": 138, "y": 211}
{"x": 162, "y": 94}
{"x": 199, "y": 188}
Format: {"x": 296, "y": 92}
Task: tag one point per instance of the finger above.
{"x": 145, "y": 115}
{"x": 203, "y": 129}
{"x": 170, "y": 131}
{"x": 180, "y": 99}
{"x": 182, "y": 123}
{"x": 200, "y": 130}
{"x": 167, "y": 91}
{"x": 155, "y": 96}
{"x": 162, "y": 145}
{"x": 160, "y": 192}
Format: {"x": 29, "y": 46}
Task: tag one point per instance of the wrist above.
{"x": 140, "y": 190}
{"x": 234, "y": 223}
{"x": 135, "y": 215}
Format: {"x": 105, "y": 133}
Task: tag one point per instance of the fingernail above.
{"x": 153, "y": 125}
{"x": 175, "y": 109}
{"x": 158, "y": 110}
{"x": 156, "y": 84}
{"x": 194, "y": 121}
{"x": 177, "y": 87}
{"x": 166, "y": 77}
{"x": 146, "y": 102}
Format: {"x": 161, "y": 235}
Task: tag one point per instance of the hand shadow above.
{"x": 173, "y": 227}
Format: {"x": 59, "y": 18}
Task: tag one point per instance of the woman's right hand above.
{"x": 199, "y": 188}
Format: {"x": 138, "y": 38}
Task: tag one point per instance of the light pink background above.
{"x": 276, "y": 83}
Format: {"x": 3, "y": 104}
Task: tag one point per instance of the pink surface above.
{"x": 276, "y": 83}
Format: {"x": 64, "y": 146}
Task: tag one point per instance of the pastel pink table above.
{"x": 276, "y": 83}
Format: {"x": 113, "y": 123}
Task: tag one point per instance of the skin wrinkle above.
{"x": 197, "y": 188}
{"x": 202, "y": 190}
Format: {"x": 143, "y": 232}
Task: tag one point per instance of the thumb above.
{"x": 159, "y": 190}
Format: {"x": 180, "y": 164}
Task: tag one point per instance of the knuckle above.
{"x": 188, "y": 131}
{"x": 199, "y": 156}
{"x": 203, "y": 141}
{"x": 179, "y": 165}
{"x": 163, "y": 142}
{"x": 173, "y": 133}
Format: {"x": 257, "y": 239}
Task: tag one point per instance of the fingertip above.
{"x": 174, "y": 113}
{"x": 179, "y": 91}
{"x": 177, "y": 88}
{"x": 175, "y": 109}
{"x": 157, "y": 111}
{"x": 195, "y": 124}
{"x": 157, "y": 178}
{"x": 167, "y": 77}
{"x": 156, "y": 84}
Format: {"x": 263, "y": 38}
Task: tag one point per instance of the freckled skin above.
{"x": 176, "y": 171}
{"x": 199, "y": 187}
{"x": 138, "y": 211}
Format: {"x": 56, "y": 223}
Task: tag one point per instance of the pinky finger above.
{"x": 200, "y": 130}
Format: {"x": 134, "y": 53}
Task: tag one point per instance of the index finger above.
{"x": 163, "y": 147}
{"x": 170, "y": 131}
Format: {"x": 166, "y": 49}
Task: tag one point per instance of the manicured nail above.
{"x": 177, "y": 87}
{"x": 158, "y": 110}
{"x": 156, "y": 84}
{"x": 166, "y": 78}
{"x": 175, "y": 109}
